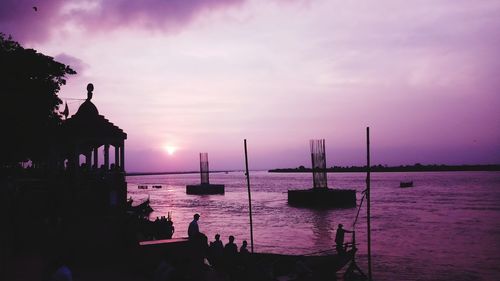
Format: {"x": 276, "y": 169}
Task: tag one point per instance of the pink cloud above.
{"x": 19, "y": 19}
{"x": 151, "y": 14}
{"x": 75, "y": 63}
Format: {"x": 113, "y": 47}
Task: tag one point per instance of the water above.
{"x": 446, "y": 227}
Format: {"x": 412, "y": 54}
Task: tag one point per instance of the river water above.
{"x": 446, "y": 227}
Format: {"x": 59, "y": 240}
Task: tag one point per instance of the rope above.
{"x": 359, "y": 209}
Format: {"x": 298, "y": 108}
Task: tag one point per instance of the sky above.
{"x": 182, "y": 77}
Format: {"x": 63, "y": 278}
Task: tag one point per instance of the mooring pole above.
{"x": 368, "y": 168}
{"x": 249, "y": 196}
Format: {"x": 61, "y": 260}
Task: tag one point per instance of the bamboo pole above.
{"x": 249, "y": 196}
{"x": 368, "y": 168}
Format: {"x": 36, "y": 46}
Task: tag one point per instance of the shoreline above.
{"x": 386, "y": 169}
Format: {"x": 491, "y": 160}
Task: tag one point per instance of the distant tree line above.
{"x": 402, "y": 168}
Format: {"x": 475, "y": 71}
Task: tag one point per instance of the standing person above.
{"x": 230, "y": 258}
{"x": 194, "y": 230}
{"x": 339, "y": 238}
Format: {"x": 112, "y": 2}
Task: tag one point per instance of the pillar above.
{"x": 88, "y": 159}
{"x": 122, "y": 157}
{"x": 117, "y": 156}
{"x": 96, "y": 158}
{"x": 76, "y": 158}
{"x": 106, "y": 156}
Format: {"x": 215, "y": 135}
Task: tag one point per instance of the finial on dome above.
{"x": 90, "y": 88}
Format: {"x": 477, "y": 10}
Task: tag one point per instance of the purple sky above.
{"x": 202, "y": 75}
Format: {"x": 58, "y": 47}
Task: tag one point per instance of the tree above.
{"x": 29, "y": 117}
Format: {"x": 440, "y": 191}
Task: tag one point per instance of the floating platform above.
{"x": 205, "y": 189}
{"x": 406, "y": 184}
{"x": 322, "y": 198}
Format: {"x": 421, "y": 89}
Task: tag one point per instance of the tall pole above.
{"x": 368, "y": 168}
{"x": 249, "y": 196}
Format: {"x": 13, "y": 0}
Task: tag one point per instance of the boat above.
{"x": 291, "y": 267}
{"x": 406, "y": 184}
{"x": 254, "y": 266}
{"x": 156, "y": 186}
{"x": 142, "y": 187}
{"x": 142, "y": 209}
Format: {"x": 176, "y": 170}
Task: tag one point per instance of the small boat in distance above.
{"x": 156, "y": 186}
{"x": 406, "y": 184}
{"x": 142, "y": 187}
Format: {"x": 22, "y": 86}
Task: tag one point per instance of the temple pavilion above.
{"x": 91, "y": 135}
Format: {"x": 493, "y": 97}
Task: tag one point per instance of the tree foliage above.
{"x": 29, "y": 83}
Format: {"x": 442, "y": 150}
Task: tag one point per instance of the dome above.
{"x": 87, "y": 109}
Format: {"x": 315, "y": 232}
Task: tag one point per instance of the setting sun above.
{"x": 170, "y": 149}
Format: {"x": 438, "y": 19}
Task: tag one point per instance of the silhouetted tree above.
{"x": 29, "y": 83}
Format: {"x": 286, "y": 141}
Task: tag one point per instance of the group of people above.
{"x": 217, "y": 253}
{"x": 161, "y": 228}
{"x": 164, "y": 227}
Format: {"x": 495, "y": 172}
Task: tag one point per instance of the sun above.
{"x": 170, "y": 149}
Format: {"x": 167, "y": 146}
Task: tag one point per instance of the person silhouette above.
{"x": 243, "y": 248}
{"x": 339, "y": 238}
{"x": 216, "y": 251}
{"x": 193, "y": 229}
{"x": 169, "y": 228}
{"x": 198, "y": 240}
{"x": 217, "y": 244}
{"x": 231, "y": 249}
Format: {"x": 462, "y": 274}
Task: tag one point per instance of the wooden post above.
{"x": 368, "y": 168}
{"x": 249, "y": 196}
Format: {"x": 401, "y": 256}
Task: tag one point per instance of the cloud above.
{"x": 153, "y": 14}
{"x": 19, "y": 19}
{"x": 75, "y": 63}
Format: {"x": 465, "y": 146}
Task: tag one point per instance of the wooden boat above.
{"x": 256, "y": 266}
{"x": 291, "y": 267}
{"x": 406, "y": 184}
{"x": 142, "y": 209}
{"x": 157, "y": 186}
{"x": 142, "y": 187}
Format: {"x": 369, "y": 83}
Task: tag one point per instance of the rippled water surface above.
{"x": 446, "y": 227}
